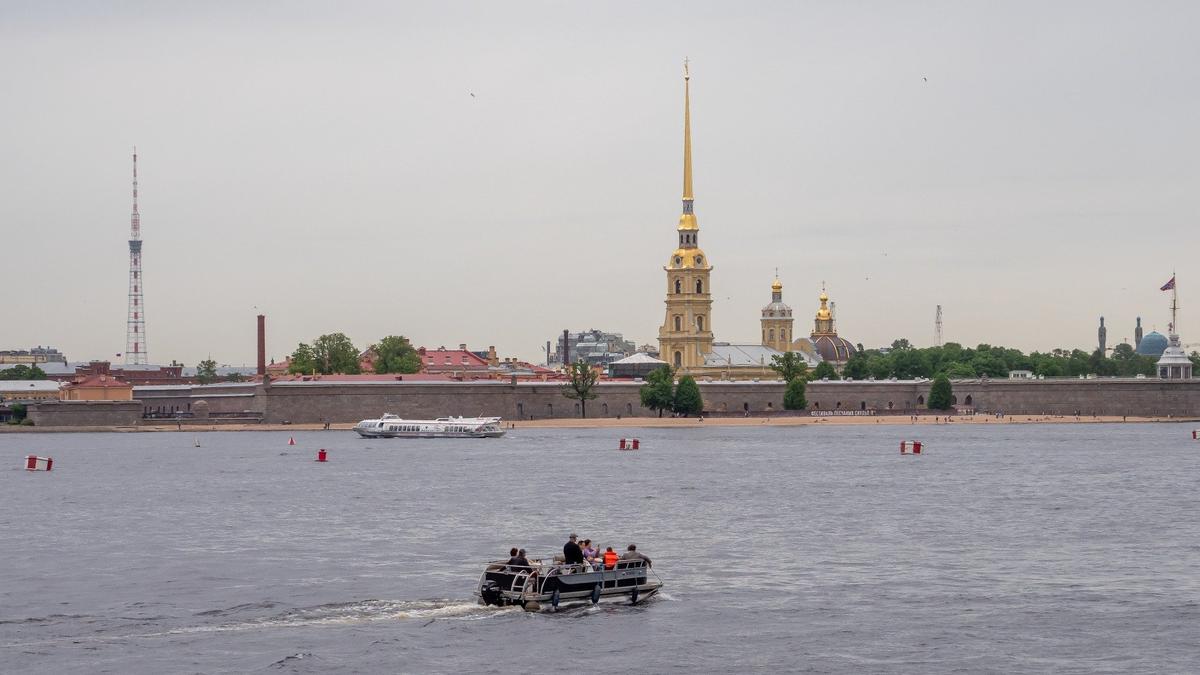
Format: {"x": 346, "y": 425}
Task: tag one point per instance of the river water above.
{"x": 1005, "y": 548}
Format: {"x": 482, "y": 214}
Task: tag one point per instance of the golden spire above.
{"x": 687, "y": 133}
{"x": 777, "y": 286}
{"x": 687, "y": 221}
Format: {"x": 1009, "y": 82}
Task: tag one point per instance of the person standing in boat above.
{"x": 572, "y": 554}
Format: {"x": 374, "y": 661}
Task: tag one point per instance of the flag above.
{"x": 1169, "y": 285}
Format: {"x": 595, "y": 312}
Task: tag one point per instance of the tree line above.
{"x": 905, "y": 362}
{"x": 335, "y": 353}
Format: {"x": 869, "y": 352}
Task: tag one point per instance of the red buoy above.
{"x": 321, "y": 455}
{"x": 35, "y": 463}
{"x": 635, "y": 444}
{"x": 910, "y": 447}
{"x": 622, "y": 445}
{"x": 291, "y": 440}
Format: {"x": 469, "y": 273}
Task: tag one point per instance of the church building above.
{"x": 686, "y": 336}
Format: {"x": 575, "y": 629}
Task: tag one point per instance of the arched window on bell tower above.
{"x": 678, "y": 323}
{"x": 699, "y": 286}
{"x": 678, "y": 286}
{"x": 771, "y": 335}
{"x": 700, "y": 323}
{"x": 678, "y": 359}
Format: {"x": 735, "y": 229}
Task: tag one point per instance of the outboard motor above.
{"x": 490, "y": 592}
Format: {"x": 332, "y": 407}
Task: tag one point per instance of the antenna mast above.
{"x": 135, "y": 325}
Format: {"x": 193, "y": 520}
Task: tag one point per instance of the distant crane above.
{"x": 937, "y": 326}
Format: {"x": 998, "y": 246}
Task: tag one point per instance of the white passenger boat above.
{"x": 553, "y": 583}
{"x": 392, "y": 426}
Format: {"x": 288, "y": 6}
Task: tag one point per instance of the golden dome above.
{"x": 688, "y": 258}
{"x": 777, "y": 285}
{"x": 824, "y": 314}
{"x": 687, "y": 221}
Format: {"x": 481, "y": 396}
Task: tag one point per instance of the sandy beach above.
{"x": 650, "y": 422}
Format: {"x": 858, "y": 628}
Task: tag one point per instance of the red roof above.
{"x": 442, "y": 359}
{"x": 99, "y": 381}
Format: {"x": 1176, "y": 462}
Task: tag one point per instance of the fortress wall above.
{"x": 349, "y": 402}
{"x": 85, "y": 413}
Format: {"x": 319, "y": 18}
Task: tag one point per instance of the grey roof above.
{"x": 49, "y": 368}
{"x": 29, "y": 385}
{"x": 639, "y": 357}
{"x": 733, "y": 355}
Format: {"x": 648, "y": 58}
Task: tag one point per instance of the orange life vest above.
{"x": 610, "y": 559}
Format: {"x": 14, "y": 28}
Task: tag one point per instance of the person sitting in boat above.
{"x": 632, "y": 554}
{"x": 589, "y": 551}
{"x": 518, "y": 561}
{"x": 610, "y": 558}
{"x": 572, "y": 554}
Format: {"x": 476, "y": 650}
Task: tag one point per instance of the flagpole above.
{"x": 1174, "y": 303}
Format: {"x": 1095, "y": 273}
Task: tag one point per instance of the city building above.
{"x": 19, "y": 391}
{"x": 825, "y": 339}
{"x": 459, "y": 361}
{"x": 97, "y": 388}
{"x": 595, "y": 347}
{"x": 35, "y": 356}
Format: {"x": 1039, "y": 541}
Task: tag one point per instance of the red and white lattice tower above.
{"x": 135, "y": 332}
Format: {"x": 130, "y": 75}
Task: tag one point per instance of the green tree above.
{"x": 793, "y": 396}
{"x": 856, "y": 368}
{"x": 23, "y": 372}
{"x": 659, "y": 391}
{"x": 959, "y": 371}
{"x": 1123, "y": 352}
{"x": 901, "y": 344}
{"x": 335, "y": 353}
{"x": 579, "y": 387}
{"x": 395, "y": 354}
{"x": 940, "y": 394}
{"x": 206, "y": 371}
{"x": 879, "y": 366}
{"x": 304, "y": 360}
{"x": 908, "y": 364}
{"x": 19, "y": 411}
{"x": 235, "y": 376}
{"x": 824, "y": 370}
{"x": 687, "y": 397}
{"x": 789, "y": 365}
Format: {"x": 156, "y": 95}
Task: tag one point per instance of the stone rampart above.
{"x": 340, "y": 402}
{"x": 86, "y": 413}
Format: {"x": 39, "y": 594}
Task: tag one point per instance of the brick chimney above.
{"x": 262, "y": 345}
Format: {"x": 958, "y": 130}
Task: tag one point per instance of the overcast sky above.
{"x": 327, "y": 165}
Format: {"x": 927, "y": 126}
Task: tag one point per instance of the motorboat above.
{"x": 555, "y": 583}
{"x": 393, "y": 426}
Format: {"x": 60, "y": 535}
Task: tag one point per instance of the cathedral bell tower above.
{"x": 777, "y": 321}
{"x": 686, "y": 334}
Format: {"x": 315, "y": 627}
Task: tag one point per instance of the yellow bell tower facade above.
{"x": 686, "y": 334}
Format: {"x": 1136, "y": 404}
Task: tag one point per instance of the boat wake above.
{"x": 99, "y": 629}
{"x": 348, "y": 613}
